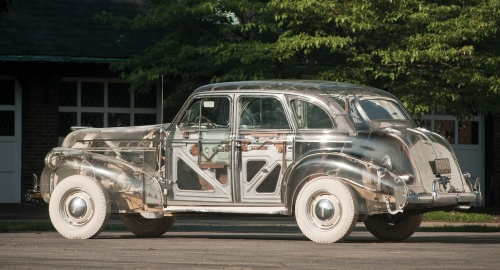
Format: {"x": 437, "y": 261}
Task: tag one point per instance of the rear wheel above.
{"x": 144, "y": 227}
{"x": 326, "y": 210}
{"x": 393, "y": 229}
{"x": 79, "y": 207}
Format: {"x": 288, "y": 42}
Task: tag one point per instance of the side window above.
{"x": 207, "y": 113}
{"x": 262, "y": 113}
{"x": 191, "y": 117}
{"x": 310, "y": 116}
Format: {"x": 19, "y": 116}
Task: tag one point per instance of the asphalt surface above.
{"x": 225, "y": 242}
{"x": 262, "y": 248}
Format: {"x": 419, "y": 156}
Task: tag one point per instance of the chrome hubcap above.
{"x": 77, "y": 207}
{"x": 324, "y": 210}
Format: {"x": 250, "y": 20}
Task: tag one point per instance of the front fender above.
{"x": 383, "y": 192}
{"x": 130, "y": 187}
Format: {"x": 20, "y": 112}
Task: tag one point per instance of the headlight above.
{"x": 52, "y": 160}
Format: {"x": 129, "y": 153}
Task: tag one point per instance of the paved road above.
{"x": 248, "y": 247}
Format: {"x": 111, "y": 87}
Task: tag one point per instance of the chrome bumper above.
{"x": 444, "y": 198}
{"x": 447, "y": 199}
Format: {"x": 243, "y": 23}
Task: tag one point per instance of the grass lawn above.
{"x": 453, "y": 216}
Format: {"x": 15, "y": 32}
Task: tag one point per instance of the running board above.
{"x": 270, "y": 210}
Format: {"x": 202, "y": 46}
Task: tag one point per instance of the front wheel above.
{"x": 393, "y": 229}
{"x": 326, "y": 210}
{"x": 79, "y": 207}
{"x": 144, "y": 227}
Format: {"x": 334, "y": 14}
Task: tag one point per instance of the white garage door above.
{"x": 10, "y": 141}
{"x": 466, "y": 138}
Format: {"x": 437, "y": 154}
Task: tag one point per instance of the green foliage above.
{"x": 430, "y": 54}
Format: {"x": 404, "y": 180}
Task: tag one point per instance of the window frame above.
{"x": 334, "y": 124}
{"x": 279, "y": 98}
{"x": 201, "y": 99}
{"x": 433, "y": 116}
{"x": 106, "y": 110}
{"x": 364, "y": 114}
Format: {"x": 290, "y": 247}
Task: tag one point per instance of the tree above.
{"x": 440, "y": 54}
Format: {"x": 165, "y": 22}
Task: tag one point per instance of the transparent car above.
{"x": 331, "y": 154}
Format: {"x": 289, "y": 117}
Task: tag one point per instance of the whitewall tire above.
{"x": 326, "y": 210}
{"x": 79, "y": 207}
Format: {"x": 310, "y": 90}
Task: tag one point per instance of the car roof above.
{"x": 300, "y": 87}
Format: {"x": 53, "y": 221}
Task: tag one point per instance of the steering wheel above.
{"x": 203, "y": 118}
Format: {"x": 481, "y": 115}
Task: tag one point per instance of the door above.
{"x": 10, "y": 141}
{"x": 264, "y": 148}
{"x": 201, "y": 151}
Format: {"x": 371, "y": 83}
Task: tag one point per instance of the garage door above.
{"x": 10, "y": 141}
{"x": 467, "y": 139}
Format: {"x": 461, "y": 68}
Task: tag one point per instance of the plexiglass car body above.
{"x": 332, "y": 154}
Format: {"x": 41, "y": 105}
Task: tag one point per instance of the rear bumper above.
{"x": 446, "y": 199}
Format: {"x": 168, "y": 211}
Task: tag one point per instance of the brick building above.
{"x": 54, "y": 74}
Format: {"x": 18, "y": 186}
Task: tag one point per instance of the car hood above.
{"x": 81, "y": 138}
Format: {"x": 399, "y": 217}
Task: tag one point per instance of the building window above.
{"x": 119, "y": 95}
{"x": 7, "y": 127}
{"x": 7, "y": 107}
{"x": 454, "y": 131}
{"x": 445, "y": 128}
{"x": 92, "y": 94}
{"x": 7, "y": 92}
{"x": 105, "y": 103}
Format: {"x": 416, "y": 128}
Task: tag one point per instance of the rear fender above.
{"x": 383, "y": 192}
